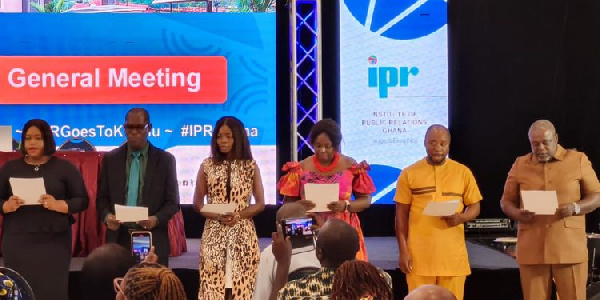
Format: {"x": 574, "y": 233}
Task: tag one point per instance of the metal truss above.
{"x": 305, "y": 69}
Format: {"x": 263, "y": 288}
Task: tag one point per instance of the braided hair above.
{"x": 148, "y": 281}
{"x": 355, "y": 279}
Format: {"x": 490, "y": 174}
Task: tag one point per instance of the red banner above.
{"x": 113, "y": 79}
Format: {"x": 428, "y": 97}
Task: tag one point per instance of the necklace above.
{"x": 326, "y": 169}
{"x": 37, "y": 166}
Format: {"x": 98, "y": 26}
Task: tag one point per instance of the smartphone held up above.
{"x": 141, "y": 242}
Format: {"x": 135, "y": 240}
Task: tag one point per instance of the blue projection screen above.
{"x": 393, "y": 82}
{"x": 226, "y": 59}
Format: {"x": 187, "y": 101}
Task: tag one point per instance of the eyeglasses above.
{"x": 132, "y": 127}
{"x": 117, "y": 285}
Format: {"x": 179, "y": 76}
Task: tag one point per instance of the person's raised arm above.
{"x": 282, "y": 250}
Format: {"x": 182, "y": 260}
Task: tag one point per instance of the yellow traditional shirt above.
{"x": 436, "y": 249}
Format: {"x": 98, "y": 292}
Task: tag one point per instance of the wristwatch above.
{"x": 576, "y": 208}
{"x": 347, "y": 205}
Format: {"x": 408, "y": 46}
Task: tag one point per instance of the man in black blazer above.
{"x": 156, "y": 189}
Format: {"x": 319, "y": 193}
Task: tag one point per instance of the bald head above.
{"x": 437, "y": 144}
{"x": 100, "y": 269}
{"x": 430, "y": 292}
{"x": 543, "y": 140}
{"x": 437, "y": 127}
{"x": 290, "y": 211}
{"x": 543, "y": 125}
{"x": 337, "y": 242}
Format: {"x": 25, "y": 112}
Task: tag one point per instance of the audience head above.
{"x": 290, "y": 211}
{"x": 543, "y": 140}
{"x": 437, "y": 143}
{"x": 137, "y": 126}
{"x": 37, "y": 139}
{"x": 148, "y": 281}
{"x": 230, "y": 140}
{"x": 337, "y": 242}
{"x": 355, "y": 279}
{"x": 430, "y": 292}
{"x": 101, "y": 267}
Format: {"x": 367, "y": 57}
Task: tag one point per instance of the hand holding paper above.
{"x": 130, "y": 213}
{"x": 441, "y": 209}
{"x": 12, "y": 204}
{"x": 219, "y": 208}
{"x": 321, "y": 194}
{"x": 28, "y": 189}
{"x": 540, "y": 202}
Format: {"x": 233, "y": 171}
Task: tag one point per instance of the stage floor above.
{"x": 383, "y": 253}
{"x": 494, "y": 275}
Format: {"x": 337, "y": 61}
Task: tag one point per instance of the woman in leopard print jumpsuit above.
{"x": 229, "y": 250}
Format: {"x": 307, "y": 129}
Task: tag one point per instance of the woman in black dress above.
{"x": 37, "y": 238}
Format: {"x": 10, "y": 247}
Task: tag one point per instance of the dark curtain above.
{"x": 515, "y": 61}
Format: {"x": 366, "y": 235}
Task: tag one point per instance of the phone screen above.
{"x": 141, "y": 241}
{"x": 300, "y": 227}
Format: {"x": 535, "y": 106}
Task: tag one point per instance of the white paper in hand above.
{"x": 6, "y": 138}
{"x": 540, "y": 202}
{"x": 130, "y": 213}
{"x": 28, "y": 189}
{"x": 441, "y": 209}
{"x": 218, "y": 208}
{"x": 321, "y": 194}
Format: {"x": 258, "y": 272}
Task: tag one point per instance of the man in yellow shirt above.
{"x": 433, "y": 249}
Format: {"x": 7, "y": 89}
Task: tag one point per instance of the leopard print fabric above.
{"x": 240, "y": 239}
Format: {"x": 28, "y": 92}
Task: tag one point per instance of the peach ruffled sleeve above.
{"x": 289, "y": 184}
{"x": 362, "y": 182}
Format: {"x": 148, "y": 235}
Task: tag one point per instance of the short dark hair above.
{"x": 338, "y": 241}
{"x": 241, "y": 144}
{"x": 330, "y": 128}
{"x": 49, "y": 143}
{"x": 138, "y": 110}
{"x": 103, "y": 265}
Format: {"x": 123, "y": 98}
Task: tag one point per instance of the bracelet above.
{"x": 347, "y": 205}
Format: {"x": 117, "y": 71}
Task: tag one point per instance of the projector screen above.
{"x": 186, "y": 62}
{"x": 393, "y": 82}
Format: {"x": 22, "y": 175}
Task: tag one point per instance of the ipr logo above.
{"x": 400, "y": 19}
{"x": 386, "y": 77}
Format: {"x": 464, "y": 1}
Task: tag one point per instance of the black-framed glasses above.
{"x": 139, "y": 127}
